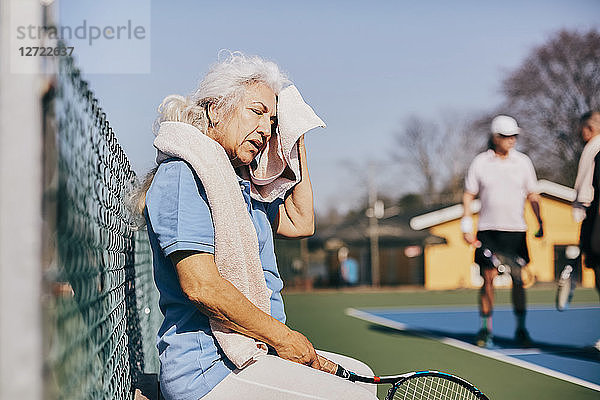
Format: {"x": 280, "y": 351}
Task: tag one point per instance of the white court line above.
{"x": 496, "y": 355}
{"x": 470, "y": 308}
{"x": 522, "y": 352}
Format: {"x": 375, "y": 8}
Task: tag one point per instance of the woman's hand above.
{"x": 295, "y": 347}
{"x": 327, "y": 365}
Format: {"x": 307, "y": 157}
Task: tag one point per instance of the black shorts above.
{"x": 512, "y": 244}
{"x": 592, "y": 259}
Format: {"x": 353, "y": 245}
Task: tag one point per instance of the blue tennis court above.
{"x": 563, "y": 341}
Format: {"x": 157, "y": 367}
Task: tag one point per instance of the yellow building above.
{"x": 450, "y": 265}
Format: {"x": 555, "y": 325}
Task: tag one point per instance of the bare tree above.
{"x": 463, "y": 138}
{"x": 438, "y": 153}
{"x": 418, "y": 152}
{"x": 556, "y": 83}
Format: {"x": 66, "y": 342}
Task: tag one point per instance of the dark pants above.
{"x": 592, "y": 259}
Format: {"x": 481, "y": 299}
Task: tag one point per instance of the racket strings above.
{"x": 432, "y": 388}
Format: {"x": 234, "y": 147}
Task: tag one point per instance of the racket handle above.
{"x": 352, "y": 377}
{"x": 343, "y": 373}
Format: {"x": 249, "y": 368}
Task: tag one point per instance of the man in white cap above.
{"x": 503, "y": 178}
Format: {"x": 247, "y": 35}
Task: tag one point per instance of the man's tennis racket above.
{"x": 515, "y": 266}
{"x": 421, "y": 385}
{"x": 566, "y": 283}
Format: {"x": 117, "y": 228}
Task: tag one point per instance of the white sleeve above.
{"x": 472, "y": 180}
{"x": 531, "y": 182}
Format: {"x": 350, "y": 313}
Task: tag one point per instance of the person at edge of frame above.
{"x": 503, "y": 178}
{"x": 236, "y": 106}
{"x": 586, "y": 206}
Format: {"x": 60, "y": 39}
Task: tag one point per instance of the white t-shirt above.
{"x": 503, "y": 186}
{"x": 585, "y": 172}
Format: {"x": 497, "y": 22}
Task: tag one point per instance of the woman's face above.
{"x": 245, "y": 134}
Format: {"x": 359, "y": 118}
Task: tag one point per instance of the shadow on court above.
{"x": 502, "y": 343}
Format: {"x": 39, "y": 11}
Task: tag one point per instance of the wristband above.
{"x": 466, "y": 225}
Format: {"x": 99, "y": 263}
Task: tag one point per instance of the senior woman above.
{"x": 228, "y": 179}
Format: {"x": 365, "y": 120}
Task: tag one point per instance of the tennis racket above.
{"x": 515, "y": 266}
{"x": 420, "y": 385}
{"x": 566, "y": 283}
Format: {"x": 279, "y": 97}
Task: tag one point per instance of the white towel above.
{"x": 236, "y": 242}
{"x": 278, "y": 168}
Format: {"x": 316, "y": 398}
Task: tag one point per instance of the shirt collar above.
{"x": 242, "y": 171}
{"x": 511, "y": 154}
{"x": 593, "y": 140}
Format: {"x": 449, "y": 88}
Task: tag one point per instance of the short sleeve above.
{"x": 178, "y": 211}
{"x": 531, "y": 184}
{"x": 471, "y": 180}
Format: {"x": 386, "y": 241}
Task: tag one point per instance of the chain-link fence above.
{"x": 101, "y": 308}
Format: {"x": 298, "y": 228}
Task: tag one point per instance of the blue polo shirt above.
{"x": 178, "y": 218}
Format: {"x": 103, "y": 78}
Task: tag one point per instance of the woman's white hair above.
{"x": 222, "y": 88}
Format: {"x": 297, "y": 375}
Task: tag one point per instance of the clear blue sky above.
{"x": 363, "y": 66}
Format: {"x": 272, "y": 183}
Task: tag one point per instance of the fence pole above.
{"x": 20, "y": 214}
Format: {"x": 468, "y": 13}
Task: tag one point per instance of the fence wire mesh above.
{"x": 101, "y": 313}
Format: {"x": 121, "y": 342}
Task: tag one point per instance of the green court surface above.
{"x": 321, "y": 317}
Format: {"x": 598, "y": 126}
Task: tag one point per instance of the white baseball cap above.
{"x": 505, "y": 125}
